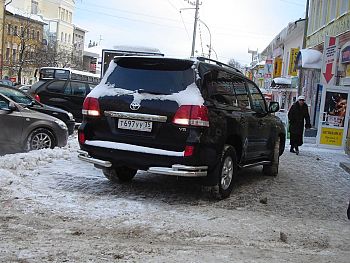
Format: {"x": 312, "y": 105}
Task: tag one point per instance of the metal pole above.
{"x": 209, "y": 36}
{"x": 195, "y": 28}
{"x": 301, "y": 73}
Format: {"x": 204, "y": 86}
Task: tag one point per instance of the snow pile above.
{"x": 310, "y": 58}
{"x": 21, "y": 163}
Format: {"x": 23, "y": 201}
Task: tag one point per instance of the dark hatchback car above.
{"x": 25, "y": 100}
{"x": 22, "y": 129}
{"x": 192, "y": 118}
{"x": 66, "y": 94}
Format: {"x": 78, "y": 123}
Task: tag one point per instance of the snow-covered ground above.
{"x": 55, "y": 208}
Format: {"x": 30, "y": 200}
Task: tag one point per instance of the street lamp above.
{"x": 210, "y": 48}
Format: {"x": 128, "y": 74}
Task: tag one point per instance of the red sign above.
{"x": 329, "y": 54}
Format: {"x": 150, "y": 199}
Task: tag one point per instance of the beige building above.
{"x": 2, "y": 25}
{"x": 56, "y": 13}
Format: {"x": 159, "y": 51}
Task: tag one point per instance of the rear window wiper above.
{"x": 142, "y": 91}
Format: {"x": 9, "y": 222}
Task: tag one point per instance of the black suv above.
{"x": 66, "y": 94}
{"x": 178, "y": 117}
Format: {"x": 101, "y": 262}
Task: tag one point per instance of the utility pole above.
{"x": 195, "y": 28}
{"x": 301, "y": 73}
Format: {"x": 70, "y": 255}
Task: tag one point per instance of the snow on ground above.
{"x": 56, "y": 208}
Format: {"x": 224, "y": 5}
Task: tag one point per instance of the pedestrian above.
{"x": 296, "y": 116}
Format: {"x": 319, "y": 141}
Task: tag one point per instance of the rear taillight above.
{"x": 192, "y": 115}
{"x": 81, "y": 137}
{"x": 37, "y": 97}
{"x": 91, "y": 107}
{"x": 189, "y": 150}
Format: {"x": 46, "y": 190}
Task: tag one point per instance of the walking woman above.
{"x": 296, "y": 115}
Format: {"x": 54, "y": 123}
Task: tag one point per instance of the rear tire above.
{"x": 272, "y": 169}
{"x": 225, "y": 173}
{"x": 120, "y": 174}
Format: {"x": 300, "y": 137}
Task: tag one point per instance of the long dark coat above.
{"x": 296, "y": 116}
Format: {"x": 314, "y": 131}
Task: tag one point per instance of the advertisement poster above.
{"x": 333, "y": 119}
{"x": 335, "y": 109}
{"x": 292, "y": 70}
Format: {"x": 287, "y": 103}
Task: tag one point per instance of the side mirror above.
{"x": 274, "y": 107}
{"x": 12, "y": 106}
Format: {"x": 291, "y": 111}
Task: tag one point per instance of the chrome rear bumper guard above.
{"x": 181, "y": 170}
{"x": 84, "y": 156}
{"x": 175, "y": 170}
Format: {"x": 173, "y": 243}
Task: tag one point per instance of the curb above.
{"x": 345, "y": 166}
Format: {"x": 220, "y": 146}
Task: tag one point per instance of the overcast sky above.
{"x": 235, "y": 25}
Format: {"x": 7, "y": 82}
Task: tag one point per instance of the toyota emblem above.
{"x": 135, "y": 106}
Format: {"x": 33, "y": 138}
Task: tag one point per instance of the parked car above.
{"x": 25, "y": 100}
{"x": 64, "y": 88}
{"x": 24, "y": 88}
{"x": 23, "y": 129}
{"x": 6, "y": 82}
{"x": 192, "y": 118}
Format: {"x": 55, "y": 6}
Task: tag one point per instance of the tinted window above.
{"x": 56, "y": 86}
{"x": 220, "y": 88}
{"x": 4, "y": 105}
{"x": 258, "y": 102}
{"x": 241, "y": 93}
{"x": 152, "y": 75}
{"x": 78, "y": 88}
{"x": 16, "y": 96}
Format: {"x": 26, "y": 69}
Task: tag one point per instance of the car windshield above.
{"x": 154, "y": 76}
{"x": 16, "y": 96}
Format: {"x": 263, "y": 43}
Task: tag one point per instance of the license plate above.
{"x": 135, "y": 125}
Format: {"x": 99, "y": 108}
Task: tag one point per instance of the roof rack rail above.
{"x": 218, "y": 63}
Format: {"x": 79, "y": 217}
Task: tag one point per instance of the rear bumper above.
{"x": 175, "y": 170}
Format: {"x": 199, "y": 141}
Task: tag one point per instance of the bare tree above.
{"x": 234, "y": 63}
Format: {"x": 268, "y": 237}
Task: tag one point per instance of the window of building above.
{"x": 67, "y": 15}
{"x": 14, "y": 55}
{"x": 34, "y": 8}
{"x": 61, "y": 36}
{"x": 7, "y": 55}
{"x": 22, "y": 31}
{"x": 8, "y": 29}
{"x": 65, "y": 37}
{"x": 70, "y": 17}
{"x": 38, "y": 35}
{"x": 62, "y": 14}
{"x": 15, "y": 30}
{"x": 33, "y": 34}
{"x": 324, "y": 14}
{"x": 28, "y": 33}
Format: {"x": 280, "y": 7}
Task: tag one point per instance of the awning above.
{"x": 309, "y": 58}
{"x": 281, "y": 81}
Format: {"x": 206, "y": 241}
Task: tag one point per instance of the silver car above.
{"x": 23, "y": 129}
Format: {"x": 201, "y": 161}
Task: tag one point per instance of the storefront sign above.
{"x": 277, "y": 68}
{"x": 329, "y": 60}
{"x": 333, "y": 121}
{"x": 331, "y": 136}
{"x": 292, "y": 69}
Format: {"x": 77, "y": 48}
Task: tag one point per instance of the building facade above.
{"x": 22, "y": 40}
{"x": 280, "y": 73}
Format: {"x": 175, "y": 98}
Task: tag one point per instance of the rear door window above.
{"x": 241, "y": 93}
{"x": 220, "y": 88}
{"x": 155, "y": 76}
{"x": 76, "y": 89}
{"x": 258, "y": 101}
{"x": 56, "y": 86}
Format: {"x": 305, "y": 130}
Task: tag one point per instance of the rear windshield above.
{"x": 156, "y": 76}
